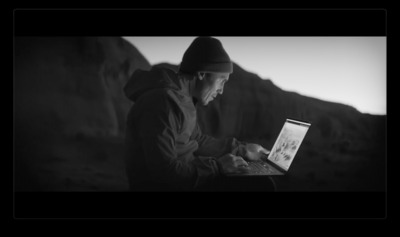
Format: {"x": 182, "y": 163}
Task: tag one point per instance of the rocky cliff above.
{"x": 68, "y": 91}
{"x": 72, "y": 85}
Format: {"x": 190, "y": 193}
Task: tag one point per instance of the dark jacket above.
{"x": 165, "y": 148}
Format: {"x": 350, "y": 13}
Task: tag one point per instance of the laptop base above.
{"x": 259, "y": 169}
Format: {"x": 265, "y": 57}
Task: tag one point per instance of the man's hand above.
{"x": 254, "y": 152}
{"x": 230, "y": 164}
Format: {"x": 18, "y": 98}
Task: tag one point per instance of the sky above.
{"x": 347, "y": 70}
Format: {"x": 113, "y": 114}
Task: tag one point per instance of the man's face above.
{"x": 210, "y": 85}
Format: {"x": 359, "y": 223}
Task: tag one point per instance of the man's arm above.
{"x": 210, "y": 146}
{"x": 158, "y": 126}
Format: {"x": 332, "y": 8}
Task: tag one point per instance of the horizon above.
{"x": 345, "y": 70}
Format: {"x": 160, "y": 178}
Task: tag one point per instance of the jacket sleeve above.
{"x": 158, "y": 126}
{"x": 210, "y": 146}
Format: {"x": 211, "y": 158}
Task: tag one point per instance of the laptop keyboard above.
{"x": 257, "y": 167}
{"x": 261, "y": 168}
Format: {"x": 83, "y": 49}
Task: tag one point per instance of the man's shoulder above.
{"x": 161, "y": 99}
{"x": 160, "y": 94}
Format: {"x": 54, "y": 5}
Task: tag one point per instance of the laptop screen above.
{"x": 288, "y": 143}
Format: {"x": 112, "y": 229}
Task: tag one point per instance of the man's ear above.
{"x": 201, "y": 75}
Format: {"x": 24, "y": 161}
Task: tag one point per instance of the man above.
{"x": 165, "y": 148}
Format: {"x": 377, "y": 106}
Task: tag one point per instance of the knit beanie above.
{"x": 206, "y": 54}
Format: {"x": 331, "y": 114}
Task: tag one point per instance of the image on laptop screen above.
{"x": 288, "y": 142}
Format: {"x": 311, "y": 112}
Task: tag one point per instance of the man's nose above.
{"x": 220, "y": 90}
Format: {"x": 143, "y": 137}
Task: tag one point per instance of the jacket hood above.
{"x": 142, "y": 81}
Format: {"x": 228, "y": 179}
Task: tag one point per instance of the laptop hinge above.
{"x": 276, "y": 166}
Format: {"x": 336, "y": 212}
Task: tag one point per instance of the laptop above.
{"x": 278, "y": 161}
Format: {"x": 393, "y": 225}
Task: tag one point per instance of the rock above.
{"x": 73, "y": 85}
{"x": 68, "y": 94}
